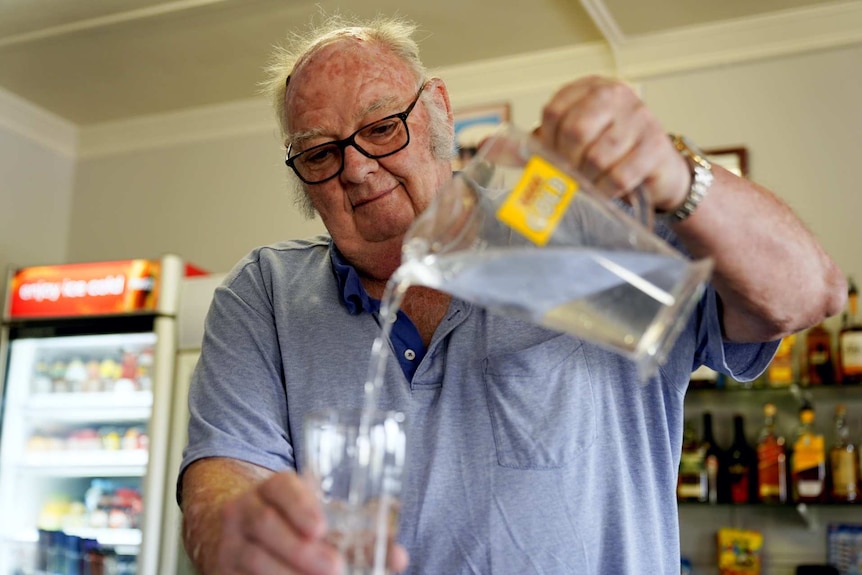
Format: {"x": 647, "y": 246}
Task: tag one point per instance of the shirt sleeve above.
{"x": 237, "y": 401}
{"x": 741, "y": 361}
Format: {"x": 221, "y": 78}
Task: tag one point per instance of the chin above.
{"x": 380, "y": 228}
{"x": 378, "y": 235}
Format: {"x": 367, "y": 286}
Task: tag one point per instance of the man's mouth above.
{"x": 372, "y": 198}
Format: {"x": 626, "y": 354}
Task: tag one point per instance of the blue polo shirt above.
{"x": 528, "y": 451}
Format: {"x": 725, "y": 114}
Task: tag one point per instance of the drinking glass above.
{"x": 355, "y": 461}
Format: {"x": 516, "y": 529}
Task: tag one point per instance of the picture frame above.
{"x": 473, "y": 125}
{"x": 733, "y": 159}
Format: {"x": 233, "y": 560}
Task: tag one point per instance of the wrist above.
{"x": 700, "y": 179}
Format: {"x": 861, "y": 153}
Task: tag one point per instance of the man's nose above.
{"x": 356, "y": 164}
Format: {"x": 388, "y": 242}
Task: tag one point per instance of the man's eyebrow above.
{"x": 298, "y": 137}
{"x": 378, "y": 104}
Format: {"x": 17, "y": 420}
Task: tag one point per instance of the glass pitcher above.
{"x": 520, "y": 233}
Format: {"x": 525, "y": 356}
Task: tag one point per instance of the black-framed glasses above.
{"x": 376, "y": 140}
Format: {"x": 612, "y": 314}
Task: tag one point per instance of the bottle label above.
{"x": 690, "y": 491}
{"x": 692, "y": 463}
{"x": 691, "y": 483}
{"x": 844, "y": 475}
{"x": 808, "y": 488}
{"x": 808, "y": 453}
{"x": 851, "y": 352}
{"x": 780, "y": 370}
{"x": 771, "y": 470}
{"x": 780, "y": 374}
{"x": 820, "y": 364}
{"x": 537, "y": 203}
{"x": 818, "y": 357}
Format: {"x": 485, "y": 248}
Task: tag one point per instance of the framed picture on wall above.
{"x": 732, "y": 159}
{"x": 473, "y": 125}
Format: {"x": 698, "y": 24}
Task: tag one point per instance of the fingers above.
{"x": 604, "y": 130}
{"x": 296, "y": 502}
{"x": 279, "y": 528}
{"x": 276, "y": 528}
{"x": 398, "y": 559}
{"x": 586, "y": 121}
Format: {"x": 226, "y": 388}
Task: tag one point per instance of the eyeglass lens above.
{"x": 376, "y": 140}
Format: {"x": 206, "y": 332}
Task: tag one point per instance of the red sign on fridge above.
{"x": 100, "y": 288}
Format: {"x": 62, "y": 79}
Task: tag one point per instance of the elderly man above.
{"x": 369, "y": 136}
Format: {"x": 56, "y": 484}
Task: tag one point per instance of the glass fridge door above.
{"x": 74, "y": 450}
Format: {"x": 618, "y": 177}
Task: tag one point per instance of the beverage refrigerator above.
{"x": 87, "y": 357}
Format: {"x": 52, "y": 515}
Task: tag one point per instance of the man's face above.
{"x": 370, "y": 205}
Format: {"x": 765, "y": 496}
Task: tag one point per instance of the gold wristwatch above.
{"x": 701, "y": 178}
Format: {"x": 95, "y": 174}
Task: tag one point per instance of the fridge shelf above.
{"x": 107, "y": 536}
{"x": 132, "y": 463}
{"x": 68, "y": 460}
{"x": 142, "y": 400}
{"x": 89, "y": 407}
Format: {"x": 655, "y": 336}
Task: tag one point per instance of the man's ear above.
{"x": 441, "y": 96}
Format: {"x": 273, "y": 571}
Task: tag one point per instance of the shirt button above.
{"x": 410, "y": 355}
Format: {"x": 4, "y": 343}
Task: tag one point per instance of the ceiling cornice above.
{"x": 735, "y": 41}
{"x": 103, "y": 21}
{"x": 38, "y": 125}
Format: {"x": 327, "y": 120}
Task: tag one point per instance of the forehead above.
{"x": 339, "y": 83}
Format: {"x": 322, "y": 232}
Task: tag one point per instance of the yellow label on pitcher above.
{"x": 536, "y": 204}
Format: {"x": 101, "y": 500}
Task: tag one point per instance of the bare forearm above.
{"x": 772, "y": 275}
{"x": 208, "y": 485}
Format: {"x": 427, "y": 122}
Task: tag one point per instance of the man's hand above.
{"x": 242, "y": 520}
{"x": 606, "y": 132}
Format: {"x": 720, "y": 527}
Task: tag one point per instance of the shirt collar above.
{"x": 353, "y": 294}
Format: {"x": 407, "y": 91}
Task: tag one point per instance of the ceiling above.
{"x": 93, "y": 61}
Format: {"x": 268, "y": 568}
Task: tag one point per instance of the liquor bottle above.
{"x": 820, "y": 369}
{"x": 782, "y": 370}
{"x": 843, "y": 461}
{"x": 850, "y": 339}
{"x": 808, "y": 463}
{"x": 771, "y": 460}
{"x": 741, "y": 466}
{"x": 712, "y": 461}
{"x": 692, "y": 484}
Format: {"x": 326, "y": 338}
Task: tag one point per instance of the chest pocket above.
{"x": 541, "y": 404}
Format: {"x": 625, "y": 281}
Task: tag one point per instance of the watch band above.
{"x": 701, "y": 178}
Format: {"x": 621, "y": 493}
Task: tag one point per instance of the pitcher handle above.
{"x": 642, "y": 207}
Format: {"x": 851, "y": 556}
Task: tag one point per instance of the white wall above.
{"x": 210, "y": 202}
{"x": 37, "y": 163}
